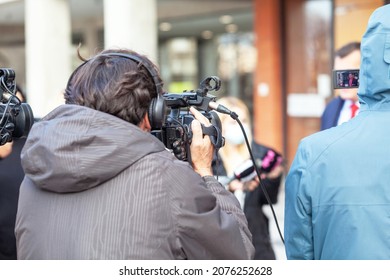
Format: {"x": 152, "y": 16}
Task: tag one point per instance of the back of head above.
{"x": 374, "y": 79}
{"x": 117, "y": 82}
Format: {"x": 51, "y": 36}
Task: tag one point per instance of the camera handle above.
{"x": 215, "y": 135}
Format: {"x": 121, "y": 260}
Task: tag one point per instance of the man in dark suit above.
{"x": 11, "y": 176}
{"x": 345, "y": 105}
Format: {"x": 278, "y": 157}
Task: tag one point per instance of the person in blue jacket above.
{"x": 337, "y": 200}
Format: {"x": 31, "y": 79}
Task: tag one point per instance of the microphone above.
{"x": 219, "y": 108}
{"x": 245, "y": 172}
{"x": 222, "y": 109}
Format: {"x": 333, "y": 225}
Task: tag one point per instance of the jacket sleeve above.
{"x": 298, "y": 224}
{"x": 211, "y": 223}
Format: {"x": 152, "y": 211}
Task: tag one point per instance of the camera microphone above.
{"x": 222, "y": 109}
{"x": 219, "y": 108}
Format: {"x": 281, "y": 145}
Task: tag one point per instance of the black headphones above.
{"x": 157, "y": 107}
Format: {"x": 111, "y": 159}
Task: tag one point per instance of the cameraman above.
{"x": 99, "y": 185}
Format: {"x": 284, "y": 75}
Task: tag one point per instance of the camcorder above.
{"x": 176, "y": 132}
{"x": 16, "y": 118}
{"x": 346, "y": 78}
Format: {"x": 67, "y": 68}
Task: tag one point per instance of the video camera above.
{"x": 176, "y": 133}
{"x": 16, "y": 118}
{"x": 348, "y": 78}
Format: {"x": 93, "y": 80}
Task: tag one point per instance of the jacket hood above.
{"x": 374, "y": 79}
{"x": 75, "y": 148}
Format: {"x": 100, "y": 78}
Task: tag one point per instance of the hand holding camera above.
{"x": 201, "y": 147}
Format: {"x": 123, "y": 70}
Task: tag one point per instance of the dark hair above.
{"x": 112, "y": 84}
{"x": 347, "y": 49}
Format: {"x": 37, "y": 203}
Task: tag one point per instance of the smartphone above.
{"x": 346, "y": 78}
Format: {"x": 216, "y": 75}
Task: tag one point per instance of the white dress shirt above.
{"x": 345, "y": 113}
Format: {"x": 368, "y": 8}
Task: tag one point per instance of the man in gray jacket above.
{"x": 99, "y": 185}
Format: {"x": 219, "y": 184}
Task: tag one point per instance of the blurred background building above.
{"x": 277, "y": 55}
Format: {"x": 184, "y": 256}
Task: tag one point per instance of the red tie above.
{"x": 354, "y": 109}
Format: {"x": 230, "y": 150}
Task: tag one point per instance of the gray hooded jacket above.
{"x": 97, "y": 187}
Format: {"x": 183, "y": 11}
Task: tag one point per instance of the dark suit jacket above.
{"x": 331, "y": 113}
{"x": 11, "y": 176}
